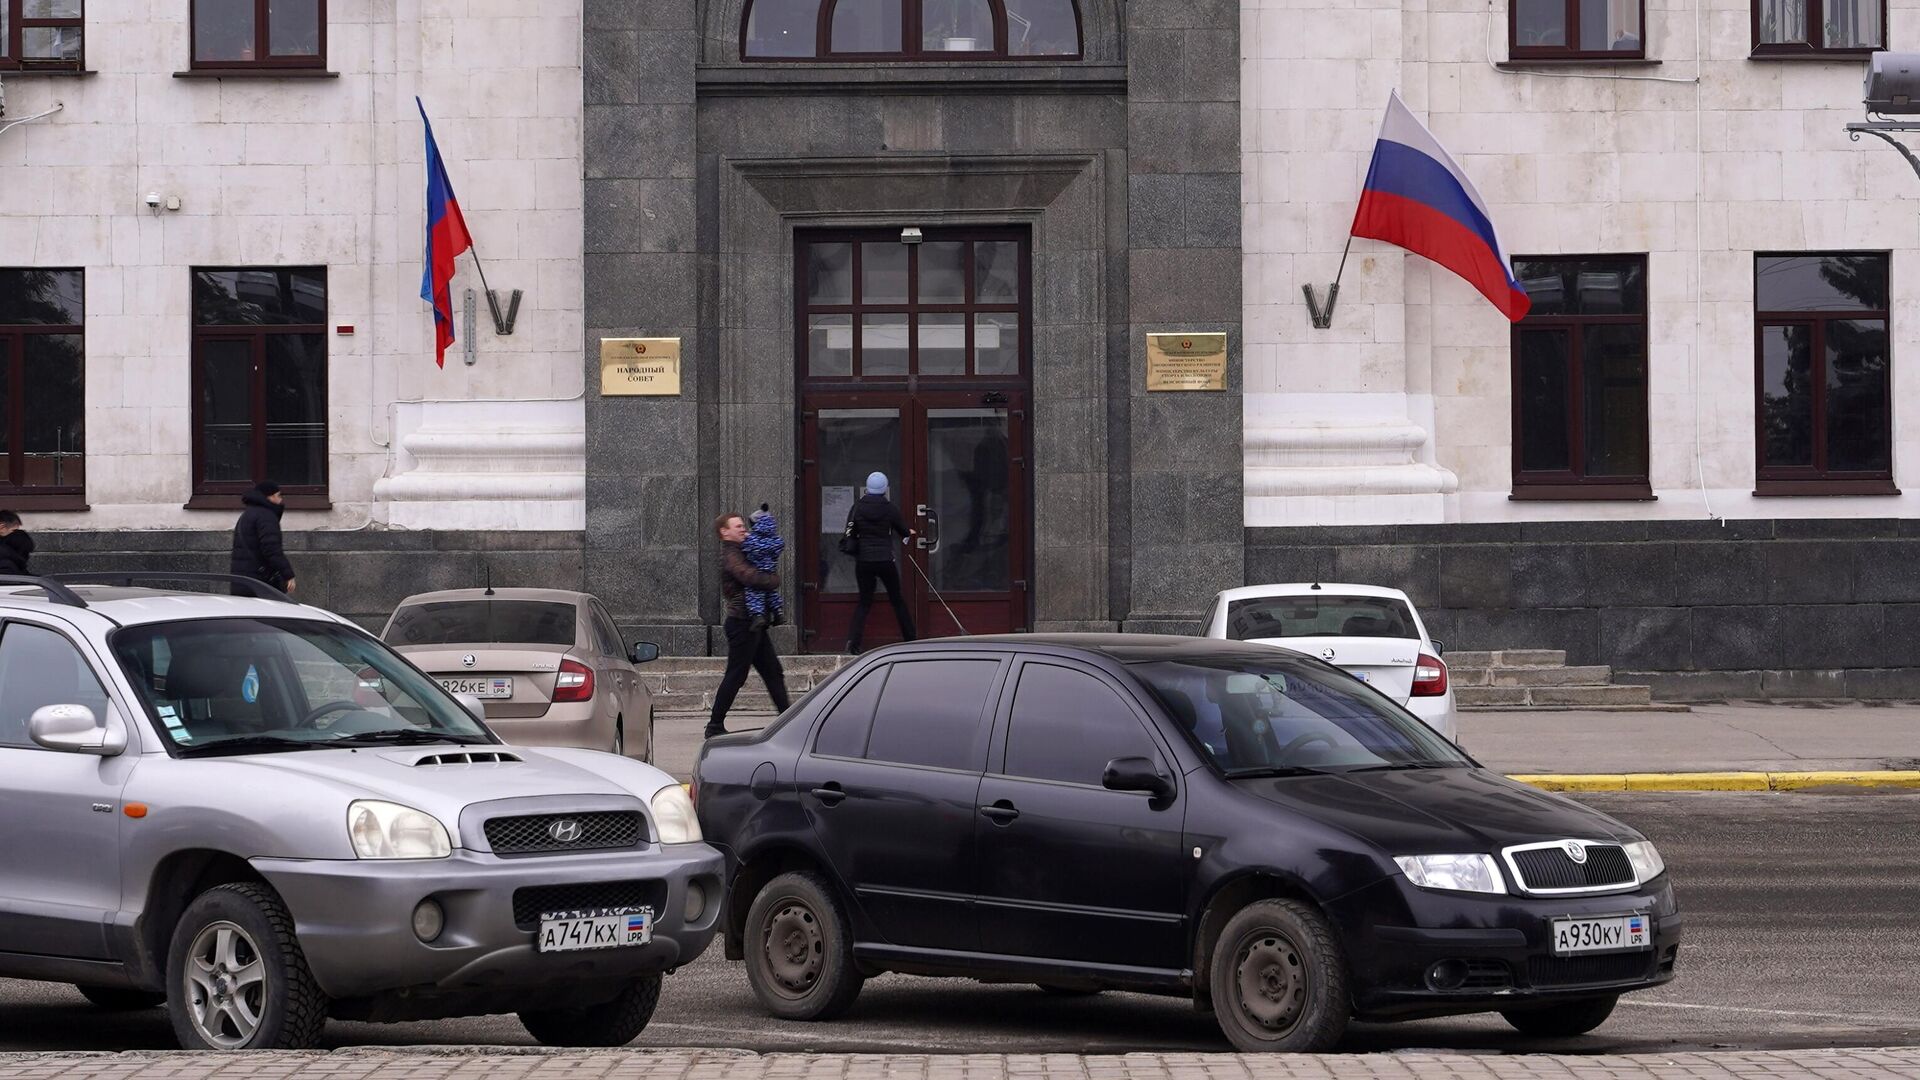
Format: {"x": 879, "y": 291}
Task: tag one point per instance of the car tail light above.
{"x": 575, "y": 682}
{"x": 1429, "y": 677}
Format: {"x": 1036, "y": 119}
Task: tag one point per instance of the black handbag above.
{"x": 849, "y": 543}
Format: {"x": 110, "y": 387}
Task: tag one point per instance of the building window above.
{"x": 1580, "y": 379}
{"x": 1576, "y": 29}
{"x": 43, "y": 388}
{"x": 1818, "y": 27}
{"x": 259, "y": 383}
{"x": 41, "y": 35}
{"x": 1824, "y": 409}
{"x": 911, "y": 30}
{"x": 259, "y": 33}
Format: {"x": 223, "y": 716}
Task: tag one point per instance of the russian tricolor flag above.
{"x": 446, "y": 239}
{"x": 1418, "y": 198}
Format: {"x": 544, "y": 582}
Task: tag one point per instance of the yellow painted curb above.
{"x": 1718, "y": 781}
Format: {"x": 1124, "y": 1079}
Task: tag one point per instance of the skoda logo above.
{"x": 1575, "y": 850}
{"x": 468, "y": 660}
{"x": 1327, "y": 655}
{"x": 567, "y": 830}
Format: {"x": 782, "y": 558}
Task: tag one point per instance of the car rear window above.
{"x": 1319, "y": 616}
{"x": 472, "y": 622}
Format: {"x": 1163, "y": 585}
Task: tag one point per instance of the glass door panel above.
{"x": 968, "y": 514}
{"x": 852, "y": 443}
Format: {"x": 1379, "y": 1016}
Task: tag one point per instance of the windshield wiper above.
{"x": 1274, "y": 770}
{"x": 402, "y": 737}
{"x": 245, "y": 744}
{"x": 1394, "y": 765}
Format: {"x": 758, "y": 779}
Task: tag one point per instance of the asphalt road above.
{"x": 1800, "y": 934}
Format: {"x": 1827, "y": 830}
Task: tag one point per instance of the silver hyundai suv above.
{"x": 258, "y": 813}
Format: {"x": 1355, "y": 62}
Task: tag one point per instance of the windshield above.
{"x": 263, "y": 684}
{"x": 482, "y": 622}
{"x": 1319, "y": 616}
{"x": 1257, "y": 716}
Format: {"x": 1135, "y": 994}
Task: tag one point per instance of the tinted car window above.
{"x": 844, "y": 734}
{"x": 1066, "y": 725}
{"x": 929, "y": 713}
{"x": 472, "y": 622}
{"x": 1251, "y": 715}
{"x": 1319, "y": 616}
{"x": 39, "y": 667}
{"x": 606, "y": 631}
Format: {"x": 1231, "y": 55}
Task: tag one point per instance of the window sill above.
{"x": 1830, "y": 56}
{"x": 1582, "y": 493}
{"x": 1576, "y": 62}
{"x": 43, "y": 501}
{"x": 256, "y": 73}
{"x": 1768, "y": 488}
{"x": 45, "y": 73}
{"x": 229, "y": 501}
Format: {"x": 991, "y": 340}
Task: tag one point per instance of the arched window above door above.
{"x": 925, "y": 30}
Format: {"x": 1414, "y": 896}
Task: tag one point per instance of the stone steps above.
{"x": 1540, "y": 680}
{"x": 686, "y": 684}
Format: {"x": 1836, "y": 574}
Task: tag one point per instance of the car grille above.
{"x": 600, "y": 830}
{"x": 1580, "y": 970}
{"x": 1607, "y": 867}
{"x": 532, "y": 902}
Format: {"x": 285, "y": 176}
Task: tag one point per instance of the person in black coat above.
{"x": 16, "y": 545}
{"x": 259, "y": 551}
{"x": 876, "y": 521}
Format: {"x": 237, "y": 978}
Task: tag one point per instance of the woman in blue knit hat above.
{"x": 875, "y": 522}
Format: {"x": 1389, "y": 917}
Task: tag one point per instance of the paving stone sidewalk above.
{"x": 495, "y": 1064}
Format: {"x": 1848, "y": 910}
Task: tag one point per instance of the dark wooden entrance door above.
{"x": 914, "y": 361}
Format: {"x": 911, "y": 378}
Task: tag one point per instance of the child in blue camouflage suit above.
{"x": 762, "y": 548}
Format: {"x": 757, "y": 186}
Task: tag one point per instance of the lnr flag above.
{"x": 1418, "y": 198}
{"x": 446, "y": 239}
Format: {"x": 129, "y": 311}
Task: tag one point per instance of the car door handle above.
{"x": 1002, "y": 813}
{"x": 830, "y": 795}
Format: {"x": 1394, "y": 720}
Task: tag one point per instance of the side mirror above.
{"x": 1136, "y": 774}
{"x": 475, "y": 708}
{"x": 74, "y": 729}
{"x": 1439, "y": 647}
{"x": 644, "y": 652}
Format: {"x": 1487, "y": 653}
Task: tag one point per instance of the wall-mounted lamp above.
{"x": 910, "y": 235}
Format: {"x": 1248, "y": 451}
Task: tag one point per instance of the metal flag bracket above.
{"x": 1323, "y": 317}
{"x": 503, "y": 324}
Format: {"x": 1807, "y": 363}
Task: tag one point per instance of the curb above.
{"x": 1719, "y": 781}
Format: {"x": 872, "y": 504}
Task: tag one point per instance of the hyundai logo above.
{"x": 468, "y": 660}
{"x": 1575, "y": 850}
{"x": 567, "y": 831}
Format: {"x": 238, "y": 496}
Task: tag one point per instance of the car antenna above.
{"x": 1315, "y": 586}
{"x": 489, "y": 570}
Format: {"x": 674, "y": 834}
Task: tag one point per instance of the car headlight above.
{"x": 384, "y": 830}
{"x": 1646, "y": 860}
{"x": 1454, "y": 873}
{"x": 673, "y": 815}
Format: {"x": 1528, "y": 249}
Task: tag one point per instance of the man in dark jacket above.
{"x": 876, "y": 521}
{"x": 258, "y": 549}
{"x": 16, "y": 546}
{"x": 746, "y": 647}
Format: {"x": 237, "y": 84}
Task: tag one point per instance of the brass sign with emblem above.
{"x": 1186, "y": 361}
{"x": 640, "y": 366}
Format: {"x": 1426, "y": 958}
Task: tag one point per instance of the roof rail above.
{"x": 55, "y": 591}
{"x": 127, "y": 578}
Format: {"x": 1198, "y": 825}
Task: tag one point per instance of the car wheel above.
{"x": 121, "y": 999}
{"x": 237, "y": 977}
{"x": 1279, "y": 982}
{"x": 619, "y": 736}
{"x": 1066, "y": 991}
{"x": 613, "y": 1023}
{"x": 1573, "y": 1018}
{"x": 800, "y": 950}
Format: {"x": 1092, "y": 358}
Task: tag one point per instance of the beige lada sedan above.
{"x": 548, "y": 666}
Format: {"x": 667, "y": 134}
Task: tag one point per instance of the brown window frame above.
{"x": 1814, "y": 47}
{"x": 1573, "y": 482}
{"x": 912, "y": 308}
{"x": 1773, "y": 480}
{"x": 912, "y": 48}
{"x": 14, "y": 489}
{"x": 262, "y": 43}
{"x": 1517, "y": 51}
{"x": 220, "y": 494}
{"x": 10, "y": 58}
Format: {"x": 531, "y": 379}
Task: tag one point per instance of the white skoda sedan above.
{"x": 1372, "y": 632}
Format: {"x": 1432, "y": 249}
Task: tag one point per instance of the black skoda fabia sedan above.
{"x": 1238, "y": 824}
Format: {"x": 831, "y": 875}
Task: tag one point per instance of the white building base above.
{"x": 479, "y": 465}
{"x": 1339, "y": 459}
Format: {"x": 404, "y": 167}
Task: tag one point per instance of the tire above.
{"x": 239, "y": 930}
{"x": 1562, "y": 1021}
{"x": 1279, "y": 981}
{"x": 800, "y": 950}
{"x": 120, "y": 998}
{"x": 613, "y": 1023}
{"x": 1066, "y": 991}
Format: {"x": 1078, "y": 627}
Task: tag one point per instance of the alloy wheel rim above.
{"x": 795, "y": 949}
{"x": 1273, "y": 981}
{"x": 226, "y": 985}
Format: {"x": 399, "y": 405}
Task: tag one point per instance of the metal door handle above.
{"x": 1001, "y": 812}
{"x": 831, "y": 794}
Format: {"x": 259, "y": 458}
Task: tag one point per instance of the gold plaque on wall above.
{"x": 640, "y": 366}
{"x": 1186, "y": 361}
